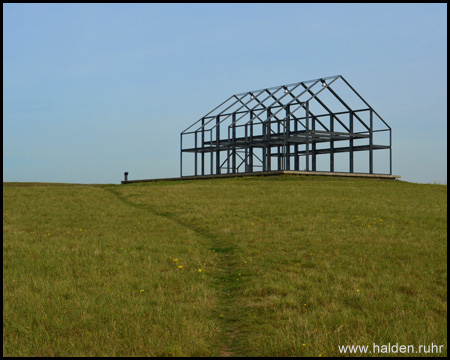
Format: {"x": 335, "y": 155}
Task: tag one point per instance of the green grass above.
{"x": 291, "y": 266}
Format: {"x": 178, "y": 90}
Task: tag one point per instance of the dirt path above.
{"x": 226, "y": 280}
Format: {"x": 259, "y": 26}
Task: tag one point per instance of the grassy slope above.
{"x": 291, "y": 266}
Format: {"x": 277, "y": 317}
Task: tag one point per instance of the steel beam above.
{"x": 181, "y": 155}
{"x": 307, "y": 136}
{"x": 296, "y": 159}
{"x": 313, "y": 144}
{"x": 268, "y": 146}
{"x": 371, "y": 144}
{"x": 217, "y": 145}
{"x": 250, "y": 154}
{"x": 203, "y": 145}
{"x": 233, "y": 129}
{"x": 332, "y": 144}
{"x": 196, "y": 153}
{"x": 351, "y": 143}
{"x": 390, "y": 151}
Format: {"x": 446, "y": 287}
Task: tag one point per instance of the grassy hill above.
{"x": 275, "y": 266}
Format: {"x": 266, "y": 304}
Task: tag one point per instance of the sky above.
{"x": 93, "y": 90}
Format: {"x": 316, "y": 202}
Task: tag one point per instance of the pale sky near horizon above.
{"x": 93, "y": 90}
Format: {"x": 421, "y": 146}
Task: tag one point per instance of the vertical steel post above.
{"x": 217, "y": 145}
{"x": 246, "y": 149}
{"x": 228, "y": 151}
{"x": 307, "y": 136}
{"x": 313, "y": 145}
{"x": 264, "y": 162}
{"x": 203, "y": 146}
{"x": 211, "y": 166}
{"x": 181, "y": 155}
{"x": 390, "y": 151}
{"x": 371, "y": 143}
{"x": 279, "y": 167}
{"x": 268, "y": 147}
{"x": 296, "y": 159}
{"x": 233, "y": 134}
{"x": 196, "y": 153}
{"x": 351, "y": 142}
{"x": 332, "y": 143}
{"x": 286, "y": 140}
{"x": 250, "y": 163}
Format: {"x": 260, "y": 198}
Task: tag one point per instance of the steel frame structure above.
{"x": 275, "y": 128}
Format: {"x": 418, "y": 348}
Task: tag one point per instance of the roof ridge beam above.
{"x": 293, "y": 84}
{"x": 312, "y": 97}
{"x": 283, "y": 107}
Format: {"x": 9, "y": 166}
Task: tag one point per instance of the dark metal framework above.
{"x": 286, "y": 128}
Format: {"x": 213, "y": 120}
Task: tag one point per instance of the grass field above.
{"x": 276, "y": 266}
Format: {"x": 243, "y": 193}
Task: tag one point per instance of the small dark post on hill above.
{"x": 126, "y": 175}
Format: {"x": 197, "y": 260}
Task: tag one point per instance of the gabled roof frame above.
{"x": 284, "y": 141}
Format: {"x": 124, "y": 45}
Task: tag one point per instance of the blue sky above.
{"x": 93, "y": 90}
